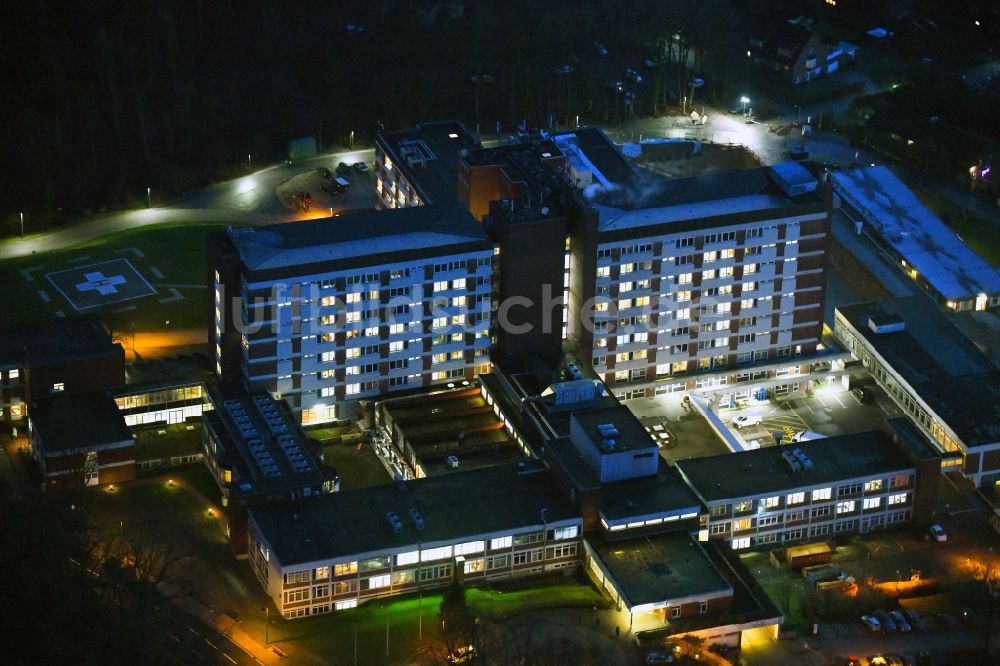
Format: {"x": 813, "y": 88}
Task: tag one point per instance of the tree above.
{"x": 457, "y": 623}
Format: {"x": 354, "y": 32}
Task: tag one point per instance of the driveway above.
{"x": 827, "y": 413}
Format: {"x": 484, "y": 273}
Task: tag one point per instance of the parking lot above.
{"x": 828, "y": 414}
{"x": 679, "y": 430}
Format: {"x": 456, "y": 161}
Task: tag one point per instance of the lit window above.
{"x": 566, "y": 532}
{"x": 873, "y": 502}
{"x": 58, "y": 387}
{"x": 469, "y": 547}
{"x": 376, "y": 582}
{"x": 742, "y": 542}
{"x": 795, "y": 498}
{"x": 820, "y": 494}
{"x": 15, "y": 373}
{"x": 407, "y": 558}
{"x": 501, "y": 542}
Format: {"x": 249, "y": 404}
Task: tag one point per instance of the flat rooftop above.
{"x": 889, "y": 208}
{"x": 490, "y": 500}
{"x": 172, "y": 371}
{"x": 949, "y": 373}
{"x": 660, "y": 568}
{"x": 631, "y": 435}
{"x": 443, "y": 423}
{"x": 375, "y": 235}
{"x": 591, "y": 148}
{"x": 85, "y": 421}
{"x": 763, "y": 471}
{"x": 428, "y": 155}
{"x": 58, "y": 340}
{"x": 663, "y": 492}
{"x": 261, "y": 443}
{"x": 651, "y": 199}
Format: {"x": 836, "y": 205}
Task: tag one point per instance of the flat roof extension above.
{"x": 81, "y": 422}
{"x": 489, "y": 500}
{"x": 946, "y": 369}
{"x": 428, "y": 156}
{"x": 891, "y": 209}
{"x": 659, "y": 569}
{"x": 373, "y": 234}
{"x": 764, "y": 471}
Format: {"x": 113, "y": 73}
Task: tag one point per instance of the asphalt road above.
{"x": 252, "y": 200}
{"x": 194, "y": 642}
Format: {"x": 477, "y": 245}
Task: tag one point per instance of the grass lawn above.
{"x": 177, "y": 441}
{"x": 983, "y": 238}
{"x": 177, "y": 252}
{"x": 333, "y": 635}
{"x": 325, "y": 433}
{"x": 357, "y": 468}
{"x": 152, "y": 511}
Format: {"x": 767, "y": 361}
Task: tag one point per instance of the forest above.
{"x": 104, "y": 99}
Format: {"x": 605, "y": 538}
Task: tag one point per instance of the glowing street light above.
{"x": 745, "y": 100}
{"x": 22, "y": 224}
{"x": 149, "y": 191}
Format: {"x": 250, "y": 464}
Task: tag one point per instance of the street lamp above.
{"x": 22, "y": 224}
{"x": 249, "y": 162}
{"x": 267, "y": 624}
{"x": 148, "y": 193}
{"x": 745, "y": 100}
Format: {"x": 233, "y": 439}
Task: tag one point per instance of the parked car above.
{"x": 888, "y": 626}
{"x": 659, "y": 658}
{"x": 324, "y": 173}
{"x": 915, "y": 620}
{"x": 747, "y": 420}
{"x": 938, "y": 533}
{"x": 862, "y": 394}
{"x": 360, "y": 167}
{"x": 901, "y": 623}
{"x": 336, "y": 186}
{"x": 872, "y": 623}
{"x": 343, "y": 168}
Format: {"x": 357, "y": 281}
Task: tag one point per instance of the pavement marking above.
{"x": 134, "y": 250}
{"x": 156, "y": 272}
{"x": 26, "y": 272}
{"x": 44, "y": 295}
{"x": 80, "y": 298}
{"x": 77, "y": 260}
{"x": 127, "y": 308}
{"x": 182, "y": 286}
{"x": 228, "y": 657}
{"x": 214, "y": 646}
{"x": 177, "y": 296}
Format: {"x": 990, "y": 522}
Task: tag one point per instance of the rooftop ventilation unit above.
{"x": 880, "y": 324}
{"x": 418, "y": 520}
{"x": 792, "y": 461}
{"x": 394, "y": 522}
{"x": 803, "y": 459}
